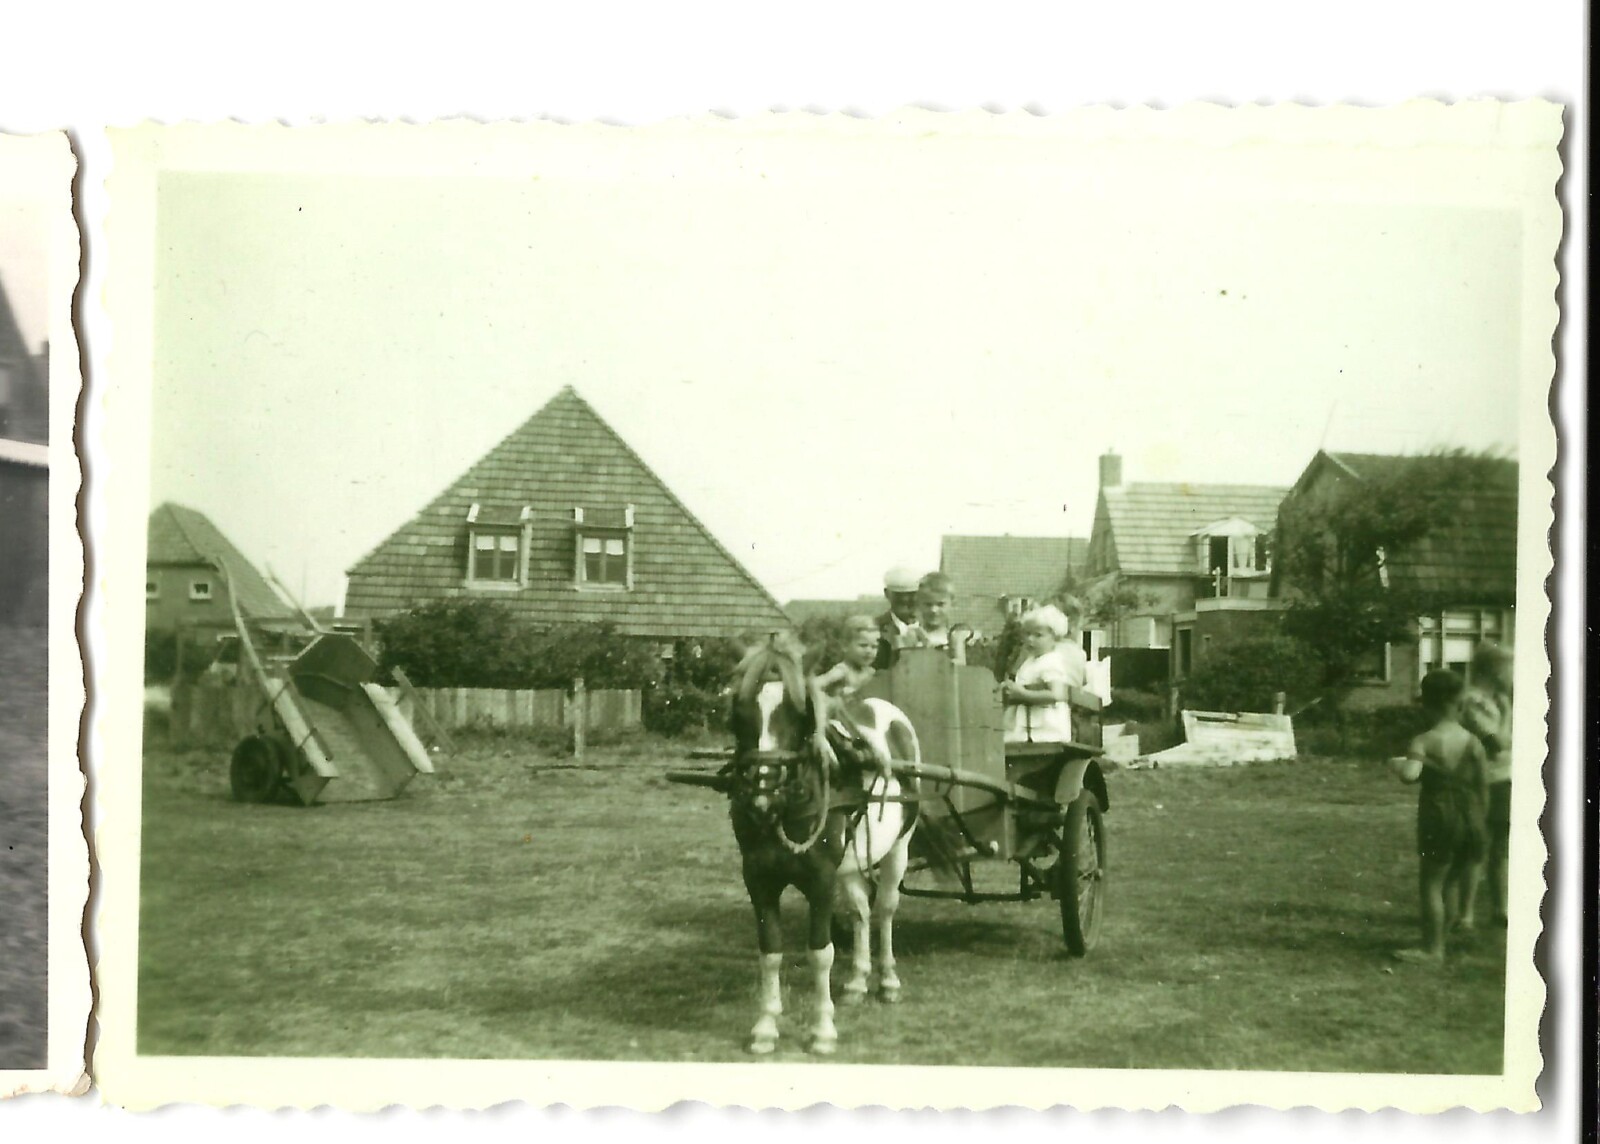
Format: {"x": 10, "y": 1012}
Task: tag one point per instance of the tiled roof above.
{"x": 1151, "y": 527}
{"x": 181, "y": 537}
{"x": 986, "y": 568}
{"x": 802, "y": 610}
{"x": 1470, "y": 556}
{"x": 566, "y": 456}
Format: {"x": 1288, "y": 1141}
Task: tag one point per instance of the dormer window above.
{"x": 1233, "y": 547}
{"x": 603, "y": 547}
{"x": 152, "y": 590}
{"x": 497, "y": 547}
{"x": 199, "y": 591}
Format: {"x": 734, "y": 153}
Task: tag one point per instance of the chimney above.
{"x": 1110, "y": 470}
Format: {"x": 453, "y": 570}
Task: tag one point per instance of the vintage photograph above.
{"x": 1052, "y": 606}
{"x": 41, "y": 573}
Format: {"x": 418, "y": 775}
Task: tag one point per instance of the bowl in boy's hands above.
{"x": 1406, "y": 768}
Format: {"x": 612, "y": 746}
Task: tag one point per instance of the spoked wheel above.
{"x": 256, "y": 771}
{"x": 1081, "y": 875}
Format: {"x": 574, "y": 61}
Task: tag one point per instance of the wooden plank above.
{"x": 389, "y": 712}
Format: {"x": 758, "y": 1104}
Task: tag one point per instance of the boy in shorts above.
{"x": 1451, "y": 765}
{"x": 1487, "y": 714}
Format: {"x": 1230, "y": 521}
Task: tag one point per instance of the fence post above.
{"x": 580, "y": 723}
{"x": 1278, "y": 700}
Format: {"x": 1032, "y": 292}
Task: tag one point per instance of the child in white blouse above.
{"x": 1036, "y": 699}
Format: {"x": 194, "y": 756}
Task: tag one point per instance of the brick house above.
{"x": 564, "y": 523}
{"x": 1185, "y": 549}
{"x": 1466, "y": 565}
{"x": 1000, "y": 577}
{"x": 184, "y": 589}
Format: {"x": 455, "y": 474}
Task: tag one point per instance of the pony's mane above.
{"x": 777, "y": 654}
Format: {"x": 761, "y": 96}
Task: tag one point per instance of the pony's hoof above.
{"x": 889, "y": 996}
{"x": 853, "y": 997}
{"x": 822, "y": 1046}
{"x": 762, "y": 1048}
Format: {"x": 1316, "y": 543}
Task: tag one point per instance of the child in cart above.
{"x": 1450, "y": 763}
{"x": 839, "y": 683}
{"x": 1036, "y": 698}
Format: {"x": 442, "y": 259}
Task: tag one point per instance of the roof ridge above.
{"x": 673, "y": 497}
{"x": 463, "y": 475}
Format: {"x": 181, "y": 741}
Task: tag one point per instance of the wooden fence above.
{"x": 456, "y": 707}
{"x": 217, "y": 714}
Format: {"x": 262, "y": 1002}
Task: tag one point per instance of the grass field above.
{"x": 23, "y": 875}
{"x": 520, "y": 909}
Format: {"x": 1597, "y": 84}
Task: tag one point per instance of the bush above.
{"x": 161, "y": 655}
{"x": 675, "y": 710}
{"x": 1378, "y": 733}
{"x": 1129, "y": 704}
{"x": 1245, "y": 675}
{"x": 482, "y": 643}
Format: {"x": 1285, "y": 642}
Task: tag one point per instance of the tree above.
{"x": 1333, "y": 550}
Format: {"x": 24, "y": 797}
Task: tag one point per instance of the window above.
{"x": 1374, "y": 665}
{"x": 152, "y": 589}
{"x": 604, "y": 542}
{"x": 1185, "y": 644}
{"x": 1233, "y": 548}
{"x": 1018, "y": 606}
{"x": 200, "y": 591}
{"x": 495, "y": 556}
{"x": 1450, "y": 638}
{"x": 497, "y": 545}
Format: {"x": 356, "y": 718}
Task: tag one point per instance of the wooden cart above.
{"x": 1039, "y": 805}
{"x": 320, "y": 727}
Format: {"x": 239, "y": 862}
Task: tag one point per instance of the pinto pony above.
{"x": 804, "y": 817}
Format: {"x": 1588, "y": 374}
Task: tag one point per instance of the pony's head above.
{"x": 772, "y": 719}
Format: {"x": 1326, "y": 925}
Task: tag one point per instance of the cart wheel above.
{"x": 1081, "y": 875}
{"x": 255, "y": 771}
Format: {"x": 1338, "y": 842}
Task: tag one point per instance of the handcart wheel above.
{"x": 1080, "y": 875}
{"x": 256, "y": 770}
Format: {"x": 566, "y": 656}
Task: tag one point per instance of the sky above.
{"x": 832, "y": 357}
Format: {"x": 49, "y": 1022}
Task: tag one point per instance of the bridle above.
{"x": 765, "y": 781}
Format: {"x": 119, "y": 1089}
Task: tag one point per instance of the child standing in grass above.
{"x": 1450, "y": 763}
{"x": 1487, "y": 714}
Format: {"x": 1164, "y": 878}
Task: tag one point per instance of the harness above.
{"x": 775, "y": 775}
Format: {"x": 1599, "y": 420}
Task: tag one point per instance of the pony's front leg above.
{"x": 890, "y": 874}
{"x": 824, "y": 1037}
{"x": 854, "y": 990}
{"x": 764, "y": 1034}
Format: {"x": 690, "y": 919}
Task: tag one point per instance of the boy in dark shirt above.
{"x": 1451, "y": 765}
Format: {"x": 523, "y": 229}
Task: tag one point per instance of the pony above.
{"x": 796, "y": 826}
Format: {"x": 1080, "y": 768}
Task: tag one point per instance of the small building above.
{"x": 1000, "y": 577}
{"x": 563, "y": 523}
{"x": 183, "y": 587}
{"x": 1466, "y": 566}
{"x": 1170, "y": 552}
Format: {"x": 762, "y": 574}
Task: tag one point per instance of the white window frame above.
{"x": 582, "y": 532}
{"x": 519, "y": 532}
{"x": 200, "y": 592}
{"x": 152, "y": 590}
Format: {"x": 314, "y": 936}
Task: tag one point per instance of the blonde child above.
{"x": 845, "y": 678}
{"x": 1486, "y": 712}
{"x": 1449, "y": 762}
{"x": 1036, "y": 698}
{"x": 935, "y": 595}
